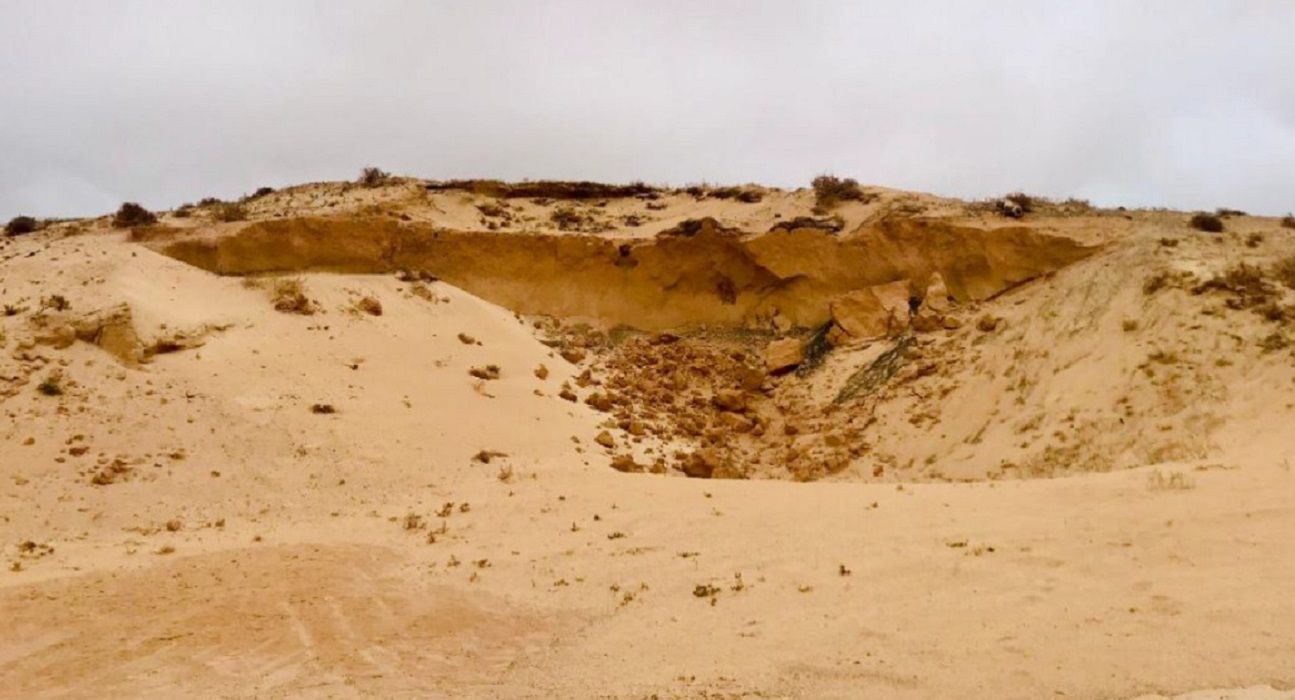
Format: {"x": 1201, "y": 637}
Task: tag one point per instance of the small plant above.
{"x": 566, "y": 219}
{"x": 290, "y": 297}
{"x": 131, "y": 214}
{"x": 1210, "y": 223}
{"x": 323, "y": 409}
{"x": 20, "y": 225}
{"x": 183, "y": 211}
{"x": 1223, "y": 211}
{"x": 1284, "y": 271}
{"x": 374, "y": 177}
{"x": 1274, "y": 342}
{"x": 829, "y": 191}
{"x": 57, "y": 302}
{"x": 369, "y": 305}
{"x": 210, "y": 201}
{"x": 1288, "y": 221}
{"x": 1174, "y": 481}
{"x": 261, "y": 192}
{"x": 50, "y": 387}
{"x": 229, "y": 211}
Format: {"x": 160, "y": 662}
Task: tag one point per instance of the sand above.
{"x": 1092, "y": 498}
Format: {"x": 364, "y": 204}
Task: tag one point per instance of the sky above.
{"x": 1182, "y": 104}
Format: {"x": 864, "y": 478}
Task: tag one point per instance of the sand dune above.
{"x": 1008, "y": 457}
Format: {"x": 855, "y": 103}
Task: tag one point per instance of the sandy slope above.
{"x": 247, "y": 546}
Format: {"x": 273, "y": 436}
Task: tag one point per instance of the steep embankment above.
{"x": 700, "y": 275}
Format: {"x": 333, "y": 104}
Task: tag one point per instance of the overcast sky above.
{"x": 1178, "y": 103}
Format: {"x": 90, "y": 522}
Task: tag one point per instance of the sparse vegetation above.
{"x": 57, "y": 302}
{"x": 1210, "y": 223}
{"x": 1288, "y": 221}
{"x": 131, "y": 214}
{"x": 1284, "y": 271}
{"x": 50, "y": 386}
{"x": 369, "y": 305}
{"x": 1174, "y": 481}
{"x": 261, "y": 192}
{"x": 20, "y": 225}
{"x": 566, "y": 218}
{"x": 290, "y": 297}
{"x": 374, "y": 177}
{"x": 830, "y": 191}
{"x": 1274, "y": 342}
{"x": 229, "y": 211}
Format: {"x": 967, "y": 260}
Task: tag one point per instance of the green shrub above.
{"x": 19, "y": 225}
{"x": 1209, "y": 223}
{"x": 131, "y": 214}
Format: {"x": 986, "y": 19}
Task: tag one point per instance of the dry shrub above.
{"x": 1284, "y": 271}
{"x": 1209, "y": 223}
{"x": 1288, "y": 221}
{"x": 746, "y": 196}
{"x": 829, "y": 191}
{"x": 369, "y": 305}
{"x": 567, "y": 219}
{"x": 373, "y": 177}
{"x": 290, "y": 297}
{"x": 1173, "y": 481}
{"x": 230, "y": 211}
{"x": 20, "y": 225}
{"x": 546, "y": 189}
{"x": 131, "y": 214}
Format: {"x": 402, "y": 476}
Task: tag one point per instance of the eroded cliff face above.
{"x": 704, "y": 275}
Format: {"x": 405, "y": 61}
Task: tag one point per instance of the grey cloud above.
{"x": 1183, "y": 104}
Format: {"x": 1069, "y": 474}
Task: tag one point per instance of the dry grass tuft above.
{"x": 290, "y": 297}
{"x": 830, "y": 191}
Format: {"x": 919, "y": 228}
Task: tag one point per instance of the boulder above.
{"x": 783, "y": 355}
{"x": 874, "y": 312}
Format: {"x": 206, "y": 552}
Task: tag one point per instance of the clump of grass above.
{"x": 1284, "y": 271}
{"x": 567, "y": 219}
{"x": 229, "y": 211}
{"x": 290, "y": 297}
{"x": 20, "y": 225}
{"x": 57, "y": 302}
{"x": 1274, "y": 342}
{"x": 830, "y": 191}
{"x": 1174, "y": 481}
{"x": 373, "y": 177}
{"x": 131, "y": 214}
{"x": 50, "y": 387}
{"x": 1210, "y": 223}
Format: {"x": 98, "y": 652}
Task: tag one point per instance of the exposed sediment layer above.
{"x": 715, "y": 276}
